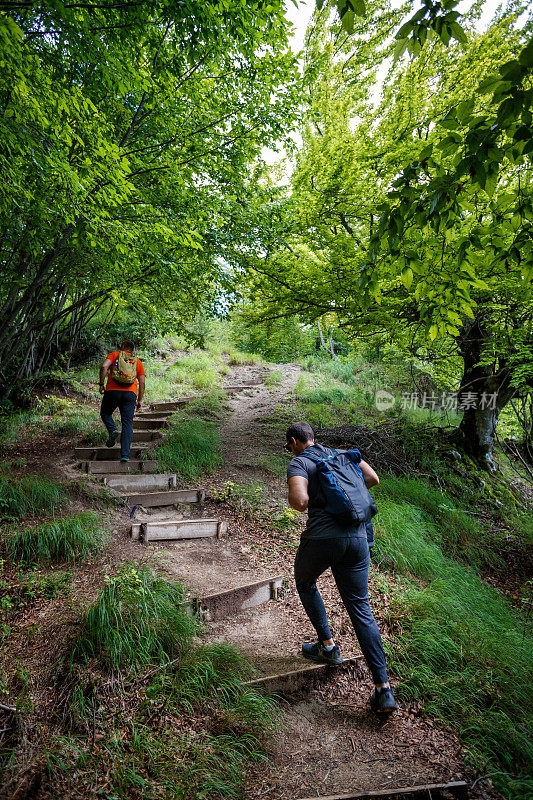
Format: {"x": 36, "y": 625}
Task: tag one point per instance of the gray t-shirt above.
{"x": 320, "y": 524}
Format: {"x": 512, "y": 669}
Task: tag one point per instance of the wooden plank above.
{"x": 146, "y": 436}
{"x": 172, "y": 405}
{"x": 430, "y": 791}
{"x": 109, "y": 453}
{"x": 156, "y": 499}
{"x": 147, "y": 482}
{"x": 181, "y": 529}
{"x": 120, "y": 467}
{"x": 233, "y": 601}
{"x": 294, "y": 680}
{"x": 150, "y": 424}
{"x": 153, "y": 415}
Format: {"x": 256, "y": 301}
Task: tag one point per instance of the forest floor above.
{"x": 328, "y": 741}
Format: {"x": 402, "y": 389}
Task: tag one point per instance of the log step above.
{"x": 293, "y": 681}
{"x": 433, "y": 791}
{"x": 150, "y": 424}
{"x": 157, "y": 499}
{"x": 108, "y": 453}
{"x": 224, "y": 604}
{"x": 172, "y": 405}
{"x": 234, "y": 389}
{"x": 119, "y": 467}
{"x": 146, "y": 436}
{"x": 129, "y": 483}
{"x": 153, "y": 415}
{"x": 170, "y": 530}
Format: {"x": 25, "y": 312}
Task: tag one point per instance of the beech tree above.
{"x": 414, "y": 220}
{"x": 125, "y": 130}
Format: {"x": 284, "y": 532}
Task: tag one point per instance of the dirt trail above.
{"x": 329, "y": 741}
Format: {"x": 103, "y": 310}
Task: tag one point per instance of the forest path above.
{"x": 329, "y": 741}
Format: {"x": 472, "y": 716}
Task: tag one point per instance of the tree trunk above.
{"x": 484, "y": 391}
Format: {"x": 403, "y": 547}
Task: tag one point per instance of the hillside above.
{"x": 109, "y": 689}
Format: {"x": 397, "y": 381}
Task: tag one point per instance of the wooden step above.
{"x": 243, "y": 388}
{"x": 172, "y": 405}
{"x": 170, "y": 530}
{"x": 297, "y": 679}
{"x": 119, "y": 467}
{"x": 108, "y": 453}
{"x": 231, "y": 602}
{"x": 146, "y": 436}
{"x": 150, "y": 424}
{"x": 153, "y": 415}
{"x": 156, "y": 499}
{"x": 430, "y": 791}
{"x": 146, "y": 483}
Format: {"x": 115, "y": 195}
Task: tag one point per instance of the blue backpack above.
{"x": 342, "y": 483}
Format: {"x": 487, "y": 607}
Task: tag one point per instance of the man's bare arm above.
{"x": 369, "y": 476}
{"x": 142, "y": 383}
{"x": 104, "y": 369}
{"x": 298, "y": 494}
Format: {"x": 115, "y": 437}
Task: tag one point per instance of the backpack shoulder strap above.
{"x": 316, "y": 457}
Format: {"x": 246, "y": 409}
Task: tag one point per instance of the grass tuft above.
{"x": 67, "y": 539}
{"x": 22, "y": 497}
{"x": 191, "y": 448}
{"x": 136, "y": 619}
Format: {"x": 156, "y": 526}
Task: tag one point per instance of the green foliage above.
{"x": 462, "y": 648}
{"x": 149, "y": 147}
{"x": 53, "y": 416}
{"x": 67, "y": 539}
{"x": 279, "y": 340}
{"x": 136, "y": 619}
{"x": 191, "y": 447}
{"x": 21, "y": 497}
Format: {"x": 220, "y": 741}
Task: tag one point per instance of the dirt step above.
{"x": 233, "y": 601}
{"x": 242, "y": 388}
{"x": 166, "y": 530}
{"x": 108, "y": 453}
{"x": 157, "y": 499}
{"x": 301, "y": 678}
{"x": 150, "y": 424}
{"x": 146, "y": 436}
{"x": 433, "y": 791}
{"x": 172, "y": 405}
{"x": 128, "y": 483}
{"x": 119, "y": 467}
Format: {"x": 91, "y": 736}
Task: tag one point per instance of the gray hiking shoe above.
{"x": 382, "y": 701}
{"x": 316, "y": 652}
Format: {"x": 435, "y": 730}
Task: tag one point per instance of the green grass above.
{"x": 136, "y": 619}
{"x": 463, "y": 648}
{"x": 53, "y": 416}
{"x": 67, "y": 539}
{"x": 28, "y": 496}
{"x": 191, "y": 447}
{"x": 194, "y": 734}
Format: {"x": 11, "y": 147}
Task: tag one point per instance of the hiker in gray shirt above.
{"x": 328, "y": 542}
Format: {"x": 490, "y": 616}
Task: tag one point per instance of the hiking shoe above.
{"x": 382, "y": 701}
{"x": 124, "y": 459}
{"x": 316, "y": 652}
{"x": 112, "y": 439}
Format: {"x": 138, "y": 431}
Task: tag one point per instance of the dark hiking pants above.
{"x": 348, "y": 558}
{"x": 125, "y": 402}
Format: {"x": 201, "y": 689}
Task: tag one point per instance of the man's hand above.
{"x": 102, "y": 388}
{"x": 138, "y": 405}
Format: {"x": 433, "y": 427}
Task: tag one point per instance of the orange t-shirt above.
{"x": 112, "y": 385}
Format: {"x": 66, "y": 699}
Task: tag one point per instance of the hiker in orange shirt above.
{"x": 124, "y": 390}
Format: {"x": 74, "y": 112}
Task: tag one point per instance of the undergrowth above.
{"x": 191, "y": 447}
{"x": 135, "y": 619}
{"x": 29, "y": 496}
{"x": 462, "y": 647}
{"x": 66, "y": 539}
